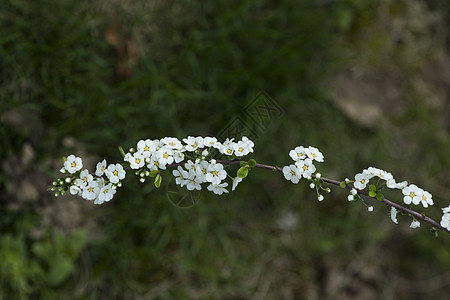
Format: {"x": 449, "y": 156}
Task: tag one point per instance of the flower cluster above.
{"x": 194, "y": 163}
{"x": 151, "y": 156}
{"x": 303, "y": 166}
{"x": 445, "y": 220}
{"x": 99, "y": 187}
{"x": 412, "y": 193}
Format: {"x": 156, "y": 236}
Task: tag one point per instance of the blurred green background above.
{"x": 365, "y": 81}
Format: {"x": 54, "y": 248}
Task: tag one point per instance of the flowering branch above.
{"x": 152, "y": 158}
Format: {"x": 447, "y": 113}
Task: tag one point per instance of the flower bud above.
{"x": 350, "y": 198}
{"x": 142, "y": 180}
{"x": 318, "y": 175}
{"x": 68, "y": 179}
{"x": 320, "y": 198}
{"x": 370, "y": 208}
{"x": 312, "y": 185}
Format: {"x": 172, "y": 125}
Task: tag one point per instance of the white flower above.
{"x": 393, "y": 185}
{"x": 191, "y": 167}
{"x": 172, "y": 143}
{"x": 100, "y": 168}
{"x": 299, "y": 153}
{"x": 85, "y": 177}
{"x": 215, "y": 174}
{"x": 193, "y": 143}
{"x": 236, "y": 181}
{"x": 75, "y": 190}
{"x": 73, "y": 164}
{"x": 361, "y": 181}
{"x": 412, "y": 194}
{"x": 242, "y": 148}
{"x": 115, "y": 173}
{"x": 147, "y": 147}
{"x": 353, "y": 192}
{"x": 91, "y": 191}
{"x": 211, "y": 142}
{"x": 414, "y": 224}
{"x": 137, "y": 160}
{"x": 201, "y": 169}
{"x": 164, "y": 156}
{"x": 178, "y": 156}
{"x": 426, "y": 199}
{"x": 248, "y": 141}
{"x": 292, "y": 173}
{"x": 153, "y": 164}
{"x": 445, "y": 221}
{"x": 314, "y": 154}
{"x": 394, "y": 215}
{"x": 106, "y": 193}
{"x": 193, "y": 184}
{"x": 227, "y": 147}
{"x": 306, "y": 167}
{"x": 446, "y": 210}
{"x": 181, "y": 176}
{"x": 218, "y": 189}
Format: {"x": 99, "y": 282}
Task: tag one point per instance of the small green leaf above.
{"x": 252, "y": 163}
{"x": 380, "y": 196}
{"x": 242, "y": 163}
{"x": 242, "y": 172}
{"x": 343, "y": 184}
{"x": 121, "y": 151}
{"x": 154, "y": 173}
{"x": 158, "y": 180}
{"x": 372, "y": 193}
{"x": 372, "y": 188}
{"x": 64, "y": 159}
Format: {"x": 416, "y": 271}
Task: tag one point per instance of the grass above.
{"x": 107, "y": 76}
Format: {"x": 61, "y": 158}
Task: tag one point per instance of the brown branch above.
{"x": 388, "y": 202}
{"x": 414, "y": 213}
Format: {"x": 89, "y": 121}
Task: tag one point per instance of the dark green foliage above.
{"x": 110, "y": 76}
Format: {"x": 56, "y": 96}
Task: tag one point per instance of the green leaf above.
{"x": 242, "y": 172}
{"x": 252, "y": 163}
{"x": 121, "y": 151}
{"x": 158, "y": 180}
{"x": 372, "y": 193}
{"x": 380, "y": 196}
{"x": 372, "y": 188}
{"x": 154, "y": 173}
{"x": 343, "y": 184}
{"x": 242, "y": 163}
{"x": 64, "y": 159}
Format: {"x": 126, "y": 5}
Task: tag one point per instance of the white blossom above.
{"x": 394, "y": 215}
{"x": 292, "y": 173}
{"x": 218, "y": 189}
{"x": 73, "y": 164}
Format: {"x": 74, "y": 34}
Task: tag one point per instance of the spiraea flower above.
{"x": 72, "y": 164}
{"x": 292, "y": 173}
{"x": 115, "y": 173}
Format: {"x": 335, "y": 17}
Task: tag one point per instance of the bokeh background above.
{"x": 365, "y": 81}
